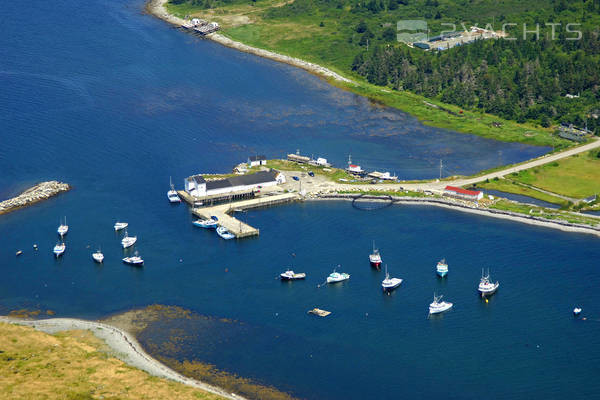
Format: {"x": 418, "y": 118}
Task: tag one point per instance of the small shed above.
{"x": 254, "y": 161}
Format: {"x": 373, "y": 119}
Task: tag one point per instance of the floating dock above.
{"x": 234, "y": 225}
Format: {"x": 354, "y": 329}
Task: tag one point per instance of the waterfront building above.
{"x": 255, "y": 161}
{"x": 198, "y": 186}
{"x": 463, "y": 194}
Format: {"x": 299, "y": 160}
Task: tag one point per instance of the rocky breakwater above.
{"x": 37, "y": 193}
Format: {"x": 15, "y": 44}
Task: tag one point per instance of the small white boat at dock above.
{"x": 63, "y": 228}
{"x": 120, "y": 225}
{"x": 224, "y": 233}
{"x": 172, "y": 194}
{"x": 206, "y": 223}
{"x": 290, "y": 275}
{"x": 128, "y": 241}
{"x": 439, "y": 306}
{"x": 487, "y": 288}
{"x": 389, "y": 284}
{"x": 59, "y": 249}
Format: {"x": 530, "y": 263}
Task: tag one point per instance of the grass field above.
{"x": 75, "y": 366}
{"x": 508, "y": 186}
{"x": 577, "y": 176}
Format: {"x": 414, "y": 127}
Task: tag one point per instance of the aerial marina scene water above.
{"x": 244, "y": 224}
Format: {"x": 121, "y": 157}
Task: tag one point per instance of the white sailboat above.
{"x": 128, "y": 241}
{"x": 59, "y": 249}
{"x": 63, "y": 228}
{"x": 172, "y": 194}
{"x": 120, "y": 225}
{"x": 98, "y": 256}
{"x": 134, "y": 260}
{"x": 389, "y": 284}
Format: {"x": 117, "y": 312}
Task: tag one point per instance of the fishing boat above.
{"x": 63, "y": 228}
{"x": 172, "y": 194}
{"x": 120, "y": 225}
{"x": 134, "y": 260}
{"x": 98, "y": 256}
{"x": 576, "y": 311}
{"x": 487, "y": 288}
{"x": 319, "y": 312}
{"x": 335, "y": 277}
{"x": 290, "y": 275}
{"x": 128, "y": 241}
{"x": 389, "y": 284}
{"x": 439, "y": 306}
{"x": 206, "y": 223}
{"x": 442, "y": 268}
{"x": 224, "y": 233}
{"x": 375, "y": 257}
{"x": 59, "y": 249}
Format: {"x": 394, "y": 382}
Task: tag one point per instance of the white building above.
{"x": 255, "y": 161}
{"x": 197, "y": 186}
{"x": 464, "y": 194}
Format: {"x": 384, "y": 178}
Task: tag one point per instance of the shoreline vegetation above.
{"x": 429, "y": 112}
{"x": 40, "y": 192}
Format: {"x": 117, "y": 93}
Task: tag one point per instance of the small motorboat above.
{"x": 319, "y": 312}
{"x": 335, "y": 277}
{"x": 63, "y": 228}
{"x": 59, "y": 249}
{"x": 224, "y": 233}
{"x": 375, "y": 257}
{"x": 389, "y": 284}
{"x": 439, "y": 306}
{"x": 172, "y": 194}
{"x": 128, "y": 241}
{"x": 18, "y": 253}
{"x": 206, "y": 223}
{"x": 98, "y": 256}
{"x": 442, "y": 268}
{"x": 487, "y": 288}
{"x": 120, "y": 225}
{"x": 134, "y": 260}
{"x": 576, "y": 311}
{"x": 290, "y": 275}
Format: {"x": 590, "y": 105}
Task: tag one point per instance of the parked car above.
{"x": 295, "y": 178}
{"x": 310, "y": 173}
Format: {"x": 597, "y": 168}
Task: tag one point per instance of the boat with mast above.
{"x": 442, "y": 268}
{"x": 98, "y": 256}
{"x": 439, "y": 306}
{"x": 134, "y": 260}
{"x": 486, "y": 287}
{"x": 389, "y": 284}
{"x": 375, "y": 257}
{"x": 63, "y": 228}
{"x": 172, "y": 193}
{"x": 128, "y": 241}
{"x": 59, "y": 249}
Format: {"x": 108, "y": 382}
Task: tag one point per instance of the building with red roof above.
{"x": 464, "y": 194}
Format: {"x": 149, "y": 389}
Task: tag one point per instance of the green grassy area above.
{"x": 509, "y": 186}
{"x": 546, "y": 213}
{"x": 577, "y": 176}
{"x": 323, "y": 36}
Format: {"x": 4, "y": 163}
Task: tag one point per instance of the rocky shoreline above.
{"x": 157, "y": 8}
{"x": 35, "y": 194}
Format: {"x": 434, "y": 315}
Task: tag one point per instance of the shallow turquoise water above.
{"x": 114, "y": 102}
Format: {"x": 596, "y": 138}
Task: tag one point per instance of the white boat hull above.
{"x": 121, "y": 225}
{"x": 488, "y": 291}
{"x": 98, "y": 257}
{"x": 440, "y": 308}
{"x": 391, "y": 284}
{"x": 128, "y": 243}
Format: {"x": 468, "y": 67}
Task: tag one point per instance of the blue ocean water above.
{"x": 114, "y": 102}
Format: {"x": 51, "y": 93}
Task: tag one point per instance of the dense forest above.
{"x": 523, "y": 79}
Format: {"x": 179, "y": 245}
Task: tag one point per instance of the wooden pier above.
{"x": 233, "y": 225}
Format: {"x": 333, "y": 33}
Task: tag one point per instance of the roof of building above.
{"x": 197, "y": 178}
{"x": 257, "y": 158}
{"x": 462, "y": 191}
{"x": 420, "y": 45}
{"x": 243, "y": 180}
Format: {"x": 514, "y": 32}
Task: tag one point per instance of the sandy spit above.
{"x": 157, "y": 8}
{"x": 125, "y": 346}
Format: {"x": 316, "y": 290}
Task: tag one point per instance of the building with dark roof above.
{"x": 254, "y": 161}
{"x": 198, "y": 186}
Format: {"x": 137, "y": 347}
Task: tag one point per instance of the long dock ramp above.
{"x": 234, "y": 225}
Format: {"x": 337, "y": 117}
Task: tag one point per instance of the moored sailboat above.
{"x": 59, "y": 249}
{"x": 128, "y": 241}
{"x": 172, "y": 193}
{"x": 63, "y": 228}
{"x": 98, "y": 256}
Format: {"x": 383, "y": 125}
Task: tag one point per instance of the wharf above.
{"x": 235, "y": 226}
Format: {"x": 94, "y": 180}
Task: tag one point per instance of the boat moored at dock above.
{"x": 206, "y": 223}
{"x": 224, "y": 233}
{"x": 438, "y": 306}
{"x": 487, "y": 288}
{"x": 290, "y": 275}
{"x": 172, "y": 193}
{"x": 442, "y": 268}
